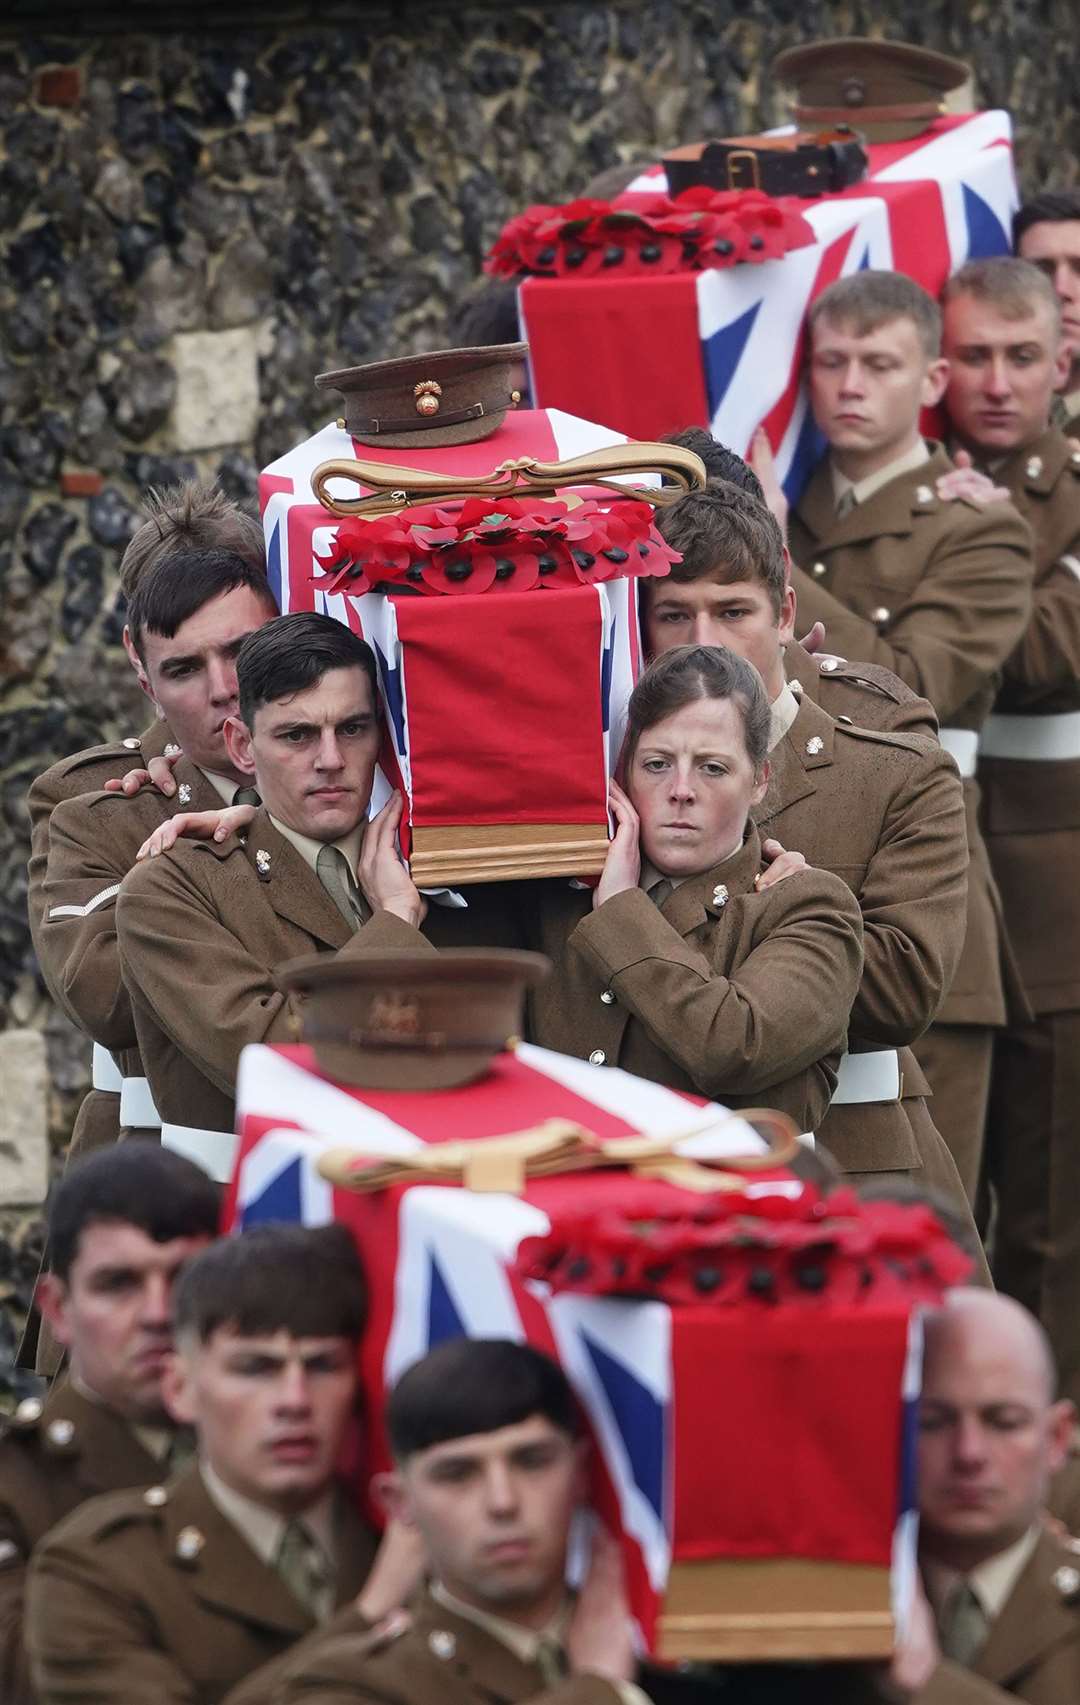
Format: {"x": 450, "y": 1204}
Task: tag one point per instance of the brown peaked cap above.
{"x": 452, "y": 396}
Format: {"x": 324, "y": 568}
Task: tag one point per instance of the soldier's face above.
{"x": 113, "y": 1314}
{"x": 738, "y": 614}
{"x": 1003, "y": 373}
{"x": 990, "y": 1438}
{"x": 494, "y": 1511}
{"x": 867, "y": 389}
{"x": 313, "y": 754}
{"x": 192, "y": 676}
{"x": 1054, "y": 247}
{"x": 270, "y": 1410}
{"x": 692, "y": 784}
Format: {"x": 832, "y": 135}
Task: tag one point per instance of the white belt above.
{"x": 106, "y": 1074}
{"x": 1037, "y": 737}
{"x": 214, "y": 1151}
{"x": 137, "y": 1110}
{"x": 962, "y": 744}
{"x": 867, "y": 1077}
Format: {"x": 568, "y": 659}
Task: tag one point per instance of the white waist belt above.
{"x": 137, "y": 1108}
{"x": 868, "y": 1077}
{"x": 106, "y": 1073}
{"x": 214, "y": 1151}
{"x": 1037, "y": 737}
{"x": 962, "y": 744}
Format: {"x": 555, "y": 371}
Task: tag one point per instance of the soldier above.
{"x": 1004, "y": 1591}
{"x": 489, "y": 1470}
{"x": 937, "y": 592}
{"x": 1001, "y": 338}
{"x": 179, "y": 1592}
{"x": 121, "y": 1224}
{"x": 883, "y": 811}
{"x": 1046, "y": 232}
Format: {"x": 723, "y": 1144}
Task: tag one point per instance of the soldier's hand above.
{"x": 600, "y": 1641}
{"x": 383, "y": 878}
{"x": 918, "y": 1654}
{"x": 781, "y": 863}
{"x": 964, "y": 480}
{"x": 622, "y": 867}
{"x": 197, "y": 826}
{"x": 399, "y": 1567}
{"x": 158, "y": 773}
{"x": 764, "y": 465}
{"x": 814, "y": 640}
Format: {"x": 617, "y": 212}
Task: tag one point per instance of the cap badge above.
{"x": 183, "y": 793}
{"x": 189, "y": 1542}
{"x": 924, "y": 495}
{"x": 442, "y": 1643}
{"x": 814, "y": 745}
{"x": 854, "y": 92}
{"x": 720, "y": 894}
{"x": 427, "y": 394}
{"x": 262, "y": 864}
{"x": 394, "y": 1014}
{"x": 60, "y": 1432}
{"x": 1034, "y": 467}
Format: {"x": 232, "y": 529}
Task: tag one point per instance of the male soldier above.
{"x": 489, "y": 1469}
{"x": 937, "y": 592}
{"x": 1001, "y": 338}
{"x": 1004, "y": 1591}
{"x": 881, "y": 810}
{"x": 1046, "y": 232}
{"x": 190, "y": 517}
{"x": 121, "y": 1224}
{"x": 179, "y": 1592}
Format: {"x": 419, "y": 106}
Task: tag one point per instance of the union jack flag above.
{"x": 438, "y": 1261}
{"x": 731, "y": 353}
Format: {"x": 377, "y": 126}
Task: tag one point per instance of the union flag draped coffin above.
{"x": 723, "y": 348}
{"x": 748, "y": 1375}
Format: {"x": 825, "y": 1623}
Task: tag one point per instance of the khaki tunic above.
{"x": 1033, "y": 1649}
{"x": 740, "y": 996}
{"x": 940, "y": 592}
{"x": 863, "y": 693}
{"x": 156, "y": 1596}
{"x": 54, "y": 1455}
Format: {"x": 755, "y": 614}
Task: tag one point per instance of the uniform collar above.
{"x": 309, "y": 849}
{"x": 782, "y": 713}
{"x": 992, "y": 1582}
{"x": 916, "y": 457}
{"x": 223, "y": 786}
{"x": 524, "y": 1643}
{"x": 264, "y": 1528}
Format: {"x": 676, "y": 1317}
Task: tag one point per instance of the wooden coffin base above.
{"x": 506, "y": 852}
{"x": 746, "y": 1611}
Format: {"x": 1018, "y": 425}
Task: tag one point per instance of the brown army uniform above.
{"x": 1032, "y": 1651}
{"x": 54, "y": 1455}
{"x": 717, "y": 990}
{"x": 938, "y": 591}
{"x": 863, "y": 693}
{"x": 1031, "y": 820}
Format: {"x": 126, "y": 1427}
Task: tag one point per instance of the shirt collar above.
{"x": 991, "y": 1582}
{"x": 223, "y": 786}
{"x": 1071, "y": 399}
{"x": 525, "y": 1643}
{"x": 263, "y": 1528}
{"x": 782, "y": 713}
{"x": 309, "y": 850}
{"x": 863, "y": 489}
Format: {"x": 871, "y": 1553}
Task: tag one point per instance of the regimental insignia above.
{"x": 262, "y": 864}
{"x": 427, "y": 394}
{"x": 442, "y": 1644}
{"x": 393, "y": 1014}
{"x": 1034, "y": 467}
{"x": 29, "y": 1410}
{"x": 189, "y": 1543}
{"x": 1066, "y": 1580}
{"x": 9, "y": 1553}
{"x": 60, "y": 1432}
{"x": 814, "y": 745}
{"x": 183, "y": 793}
{"x": 720, "y": 894}
{"x": 172, "y": 750}
{"x": 924, "y": 494}
{"x": 156, "y": 1497}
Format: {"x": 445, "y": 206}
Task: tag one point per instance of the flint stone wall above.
{"x": 198, "y": 216}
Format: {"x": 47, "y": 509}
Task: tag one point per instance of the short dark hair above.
{"x": 174, "y": 589}
{"x": 476, "y": 1385}
{"x": 687, "y": 673}
{"x": 305, "y": 1280}
{"x": 723, "y": 534}
{"x": 136, "y": 1183}
{"x": 720, "y": 462}
{"x": 193, "y": 516}
{"x": 293, "y": 653}
{"x": 1053, "y": 207}
{"x": 867, "y": 300}
{"x": 488, "y": 315}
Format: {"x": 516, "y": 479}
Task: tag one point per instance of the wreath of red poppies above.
{"x": 698, "y": 230}
{"x": 734, "y": 1250}
{"x": 495, "y": 545}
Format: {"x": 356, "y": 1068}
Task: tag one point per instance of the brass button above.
{"x": 598, "y": 1057}
{"x": 607, "y": 997}
{"x": 881, "y": 614}
{"x": 819, "y": 571}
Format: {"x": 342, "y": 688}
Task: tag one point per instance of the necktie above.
{"x": 551, "y": 1660}
{"x": 661, "y": 891}
{"x": 246, "y": 796}
{"x": 332, "y": 868}
{"x": 306, "y": 1571}
{"x": 846, "y": 502}
{"x": 963, "y": 1625}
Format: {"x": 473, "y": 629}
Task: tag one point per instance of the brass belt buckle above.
{"x": 738, "y": 155}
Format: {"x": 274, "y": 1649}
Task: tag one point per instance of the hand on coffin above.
{"x": 781, "y": 863}
{"x": 399, "y": 1567}
{"x": 764, "y": 465}
{"x": 158, "y": 773}
{"x": 622, "y": 867}
{"x": 599, "y": 1641}
{"x": 917, "y": 1654}
{"x": 383, "y": 877}
{"x": 965, "y": 481}
{"x": 198, "y": 825}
